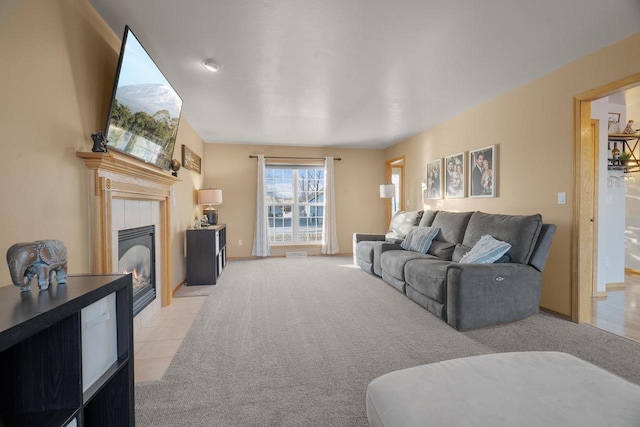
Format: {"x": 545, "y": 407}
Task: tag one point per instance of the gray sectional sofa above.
{"x": 465, "y": 295}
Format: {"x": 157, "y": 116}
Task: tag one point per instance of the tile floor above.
{"x": 156, "y": 343}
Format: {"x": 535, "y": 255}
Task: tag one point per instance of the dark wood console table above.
{"x": 206, "y": 254}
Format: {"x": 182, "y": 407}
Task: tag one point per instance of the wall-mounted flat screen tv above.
{"x": 145, "y": 109}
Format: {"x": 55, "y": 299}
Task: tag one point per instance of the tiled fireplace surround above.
{"x": 125, "y": 193}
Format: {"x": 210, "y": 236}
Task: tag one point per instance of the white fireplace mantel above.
{"x": 117, "y": 176}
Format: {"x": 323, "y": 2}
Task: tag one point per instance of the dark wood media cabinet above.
{"x": 206, "y": 254}
{"x": 66, "y": 354}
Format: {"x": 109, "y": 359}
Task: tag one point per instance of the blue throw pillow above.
{"x": 485, "y": 251}
{"x": 407, "y": 239}
{"x": 419, "y": 239}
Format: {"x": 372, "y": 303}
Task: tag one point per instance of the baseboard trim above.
{"x": 177, "y": 288}
{"x": 556, "y": 313}
{"x": 632, "y": 272}
{"x": 616, "y": 286}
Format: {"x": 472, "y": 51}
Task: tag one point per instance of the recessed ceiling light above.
{"x": 211, "y": 65}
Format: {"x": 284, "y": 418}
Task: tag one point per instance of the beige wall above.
{"x": 59, "y": 58}
{"x": 185, "y": 208}
{"x": 533, "y": 128}
{"x": 58, "y": 63}
{"x": 357, "y": 180}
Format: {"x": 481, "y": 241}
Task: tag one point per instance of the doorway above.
{"x": 394, "y": 174}
{"x": 590, "y": 271}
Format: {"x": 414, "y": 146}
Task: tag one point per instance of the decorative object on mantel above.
{"x": 628, "y": 130}
{"x": 40, "y": 258}
{"x": 175, "y": 167}
{"x": 210, "y": 197}
{"x": 99, "y": 142}
{"x": 191, "y": 160}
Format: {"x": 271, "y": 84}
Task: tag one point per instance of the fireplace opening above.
{"x": 136, "y": 255}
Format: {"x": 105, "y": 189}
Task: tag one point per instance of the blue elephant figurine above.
{"x": 41, "y": 258}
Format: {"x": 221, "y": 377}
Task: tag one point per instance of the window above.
{"x": 295, "y": 203}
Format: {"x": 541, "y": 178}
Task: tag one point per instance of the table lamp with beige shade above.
{"x": 210, "y": 197}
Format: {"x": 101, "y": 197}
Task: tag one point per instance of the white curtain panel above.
{"x": 330, "y": 234}
{"x": 261, "y": 245}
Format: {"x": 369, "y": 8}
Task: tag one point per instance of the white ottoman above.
{"x": 504, "y": 389}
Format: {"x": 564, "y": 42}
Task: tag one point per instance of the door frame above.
{"x": 396, "y": 162}
{"x": 595, "y": 134}
{"x": 584, "y": 166}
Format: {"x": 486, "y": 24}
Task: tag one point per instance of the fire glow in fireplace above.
{"x": 136, "y": 255}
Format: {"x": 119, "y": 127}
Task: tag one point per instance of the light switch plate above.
{"x": 562, "y": 198}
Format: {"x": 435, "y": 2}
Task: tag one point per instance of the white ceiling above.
{"x": 356, "y": 73}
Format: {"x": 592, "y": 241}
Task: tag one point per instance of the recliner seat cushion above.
{"x": 521, "y": 231}
{"x": 393, "y": 262}
{"x": 427, "y": 277}
{"x": 364, "y": 251}
{"x": 378, "y": 249}
{"x": 431, "y": 305}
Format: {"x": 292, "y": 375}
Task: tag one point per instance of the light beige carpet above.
{"x": 294, "y": 342}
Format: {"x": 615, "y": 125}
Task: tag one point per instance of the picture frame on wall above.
{"x": 483, "y": 172}
{"x": 433, "y": 181}
{"x": 191, "y": 160}
{"x": 614, "y": 117}
{"x": 454, "y": 176}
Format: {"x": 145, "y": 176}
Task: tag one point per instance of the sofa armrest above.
{"x": 377, "y": 255}
{"x": 361, "y": 237}
{"x": 480, "y": 295}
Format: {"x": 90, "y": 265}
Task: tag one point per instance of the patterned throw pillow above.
{"x": 407, "y": 239}
{"x": 485, "y": 251}
{"x": 401, "y": 223}
{"x": 419, "y": 239}
{"x": 460, "y": 250}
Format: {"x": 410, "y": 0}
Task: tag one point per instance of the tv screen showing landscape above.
{"x": 145, "y": 110}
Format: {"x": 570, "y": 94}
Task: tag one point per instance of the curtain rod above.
{"x": 289, "y": 157}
